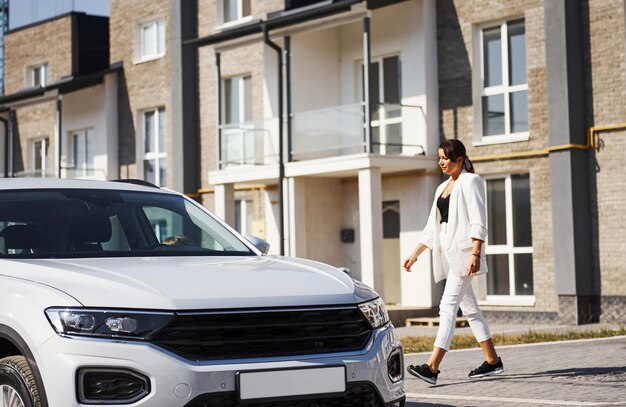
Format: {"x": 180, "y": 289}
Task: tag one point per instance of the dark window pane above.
{"x": 492, "y": 53}
{"x": 519, "y": 111}
{"x": 375, "y": 98}
{"x": 230, "y": 101}
{"x": 517, "y": 52}
{"x": 149, "y": 171}
{"x": 238, "y": 216}
{"x": 394, "y": 138}
{"x": 391, "y": 219}
{"x": 391, "y": 73}
{"x": 376, "y": 140}
{"x": 245, "y": 8}
{"x": 522, "y": 235}
{"x": 230, "y": 10}
{"x": 493, "y": 115}
{"x": 496, "y": 216}
{"x": 523, "y": 274}
{"x": 498, "y": 276}
{"x": 149, "y": 124}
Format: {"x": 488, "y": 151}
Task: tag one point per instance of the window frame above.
{"x": 509, "y": 248}
{"x": 45, "y": 161}
{"x": 240, "y": 17}
{"x": 504, "y": 89}
{"x": 157, "y": 156}
{"x": 159, "y": 27}
{"x": 89, "y": 136}
{"x": 42, "y": 76}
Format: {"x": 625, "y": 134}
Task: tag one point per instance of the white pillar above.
{"x": 297, "y": 246}
{"x": 371, "y": 228}
{"x": 225, "y": 203}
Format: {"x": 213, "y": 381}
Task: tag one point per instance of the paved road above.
{"x": 575, "y": 373}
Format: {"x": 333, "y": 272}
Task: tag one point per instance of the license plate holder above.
{"x": 281, "y": 384}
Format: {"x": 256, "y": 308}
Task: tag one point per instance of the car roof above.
{"x": 55, "y": 183}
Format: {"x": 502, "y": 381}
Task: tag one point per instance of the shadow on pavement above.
{"x": 412, "y": 404}
{"x": 609, "y": 372}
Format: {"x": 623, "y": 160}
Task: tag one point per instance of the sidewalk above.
{"x": 571, "y": 373}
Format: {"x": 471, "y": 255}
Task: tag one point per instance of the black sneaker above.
{"x": 487, "y": 369}
{"x": 424, "y": 373}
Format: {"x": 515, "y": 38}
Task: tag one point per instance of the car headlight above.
{"x": 375, "y": 312}
{"x": 104, "y": 323}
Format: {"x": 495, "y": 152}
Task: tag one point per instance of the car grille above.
{"x": 357, "y": 395}
{"x": 265, "y": 333}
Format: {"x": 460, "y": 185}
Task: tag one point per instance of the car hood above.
{"x": 188, "y": 283}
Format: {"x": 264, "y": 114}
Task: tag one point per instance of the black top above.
{"x": 443, "y": 204}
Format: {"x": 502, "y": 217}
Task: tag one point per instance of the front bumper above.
{"x": 176, "y": 382}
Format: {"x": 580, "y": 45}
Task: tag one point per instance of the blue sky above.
{"x": 22, "y": 12}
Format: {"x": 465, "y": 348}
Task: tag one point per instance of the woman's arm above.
{"x": 409, "y": 261}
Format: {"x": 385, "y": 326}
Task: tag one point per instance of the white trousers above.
{"x": 459, "y": 293}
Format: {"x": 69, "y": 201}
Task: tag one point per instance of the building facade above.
{"x": 315, "y": 125}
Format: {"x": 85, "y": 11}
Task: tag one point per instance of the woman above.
{"x": 456, "y": 232}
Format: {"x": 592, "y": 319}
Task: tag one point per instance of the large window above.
{"x": 152, "y": 40}
{"x": 509, "y": 243}
{"x": 155, "y": 152}
{"x": 503, "y": 83}
{"x": 234, "y": 10}
{"x": 243, "y": 216}
{"x": 238, "y": 138}
{"x": 386, "y": 111}
{"x": 82, "y": 152}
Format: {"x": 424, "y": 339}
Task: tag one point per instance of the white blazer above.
{"x": 467, "y": 219}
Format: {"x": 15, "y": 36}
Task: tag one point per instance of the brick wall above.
{"x": 49, "y": 43}
{"x": 606, "y": 106}
{"x": 35, "y": 121}
{"x": 458, "y": 24}
{"x": 144, "y": 85}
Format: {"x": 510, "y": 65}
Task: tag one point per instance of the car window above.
{"x": 104, "y": 223}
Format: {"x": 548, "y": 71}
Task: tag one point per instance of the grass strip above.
{"x": 415, "y": 344}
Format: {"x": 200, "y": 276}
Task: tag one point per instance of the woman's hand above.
{"x": 473, "y": 265}
{"x": 409, "y": 261}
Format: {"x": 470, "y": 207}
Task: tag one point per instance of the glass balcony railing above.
{"x": 249, "y": 143}
{"x": 328, "y": 132}
{"x": 340, "y": 130}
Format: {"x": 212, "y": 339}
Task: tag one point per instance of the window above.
{"x": 38, "y": 75}
{"x": 234, "y": 10}
{"x": 238, "y": 138}
{"x": 503, "y": 83}
{"x": 386, "y": 110}
{"x": 41, "y": 161}
{"x": 509, "y": 243}
{"x": 81, "y": 152}
{"x": 152, "y": 40}
{"x": 154, "y": 148}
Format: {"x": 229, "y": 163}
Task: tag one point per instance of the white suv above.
{"x": 114, "y": 293}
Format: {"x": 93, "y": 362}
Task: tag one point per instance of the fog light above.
{"x": 111, "y": 386}
{"x": 395, "y": 368}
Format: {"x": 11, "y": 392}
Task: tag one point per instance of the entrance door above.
{"x": 391, "y": 251}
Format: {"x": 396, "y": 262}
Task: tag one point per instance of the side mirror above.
{"x": 259, "y": 243}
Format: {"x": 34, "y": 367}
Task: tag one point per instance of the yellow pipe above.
{"x": 591, "y": 143}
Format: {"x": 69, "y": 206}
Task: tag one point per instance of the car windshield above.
{"x": 65, "y": 223}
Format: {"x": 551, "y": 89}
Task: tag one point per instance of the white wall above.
{"x": 94, "y": 108}
{"x": 315, "y": 69}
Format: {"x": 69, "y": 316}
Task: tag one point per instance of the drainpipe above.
{"x": 218, "y": 97}
{"x": 288, "y": 97}
{"x": 5, "y": 123}
{"x": 281, "y": 164}
{"x": 367, "y": 62}
{"x": 59, "y": 134}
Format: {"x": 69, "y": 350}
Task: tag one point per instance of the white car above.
{"x": 115, "y": 293}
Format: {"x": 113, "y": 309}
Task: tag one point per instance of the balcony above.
{"x": 323, "y": 133}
